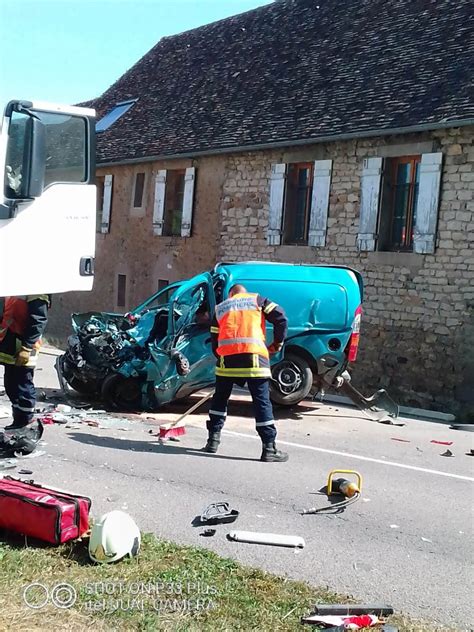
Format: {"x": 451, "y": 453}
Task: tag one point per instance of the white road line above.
{"x": 358, "y": 457}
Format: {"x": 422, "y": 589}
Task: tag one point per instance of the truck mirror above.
{"x": 25, "y": 163}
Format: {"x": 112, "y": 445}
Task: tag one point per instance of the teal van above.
{"x": 161, "y": 351}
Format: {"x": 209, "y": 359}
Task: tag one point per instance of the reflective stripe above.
{"x": 214, "y": 330}
{"x": 269, "y": 308}
{"x": 37, "y": 297}
{"x": 243, "y": 372}
{"x": 23, "y": 409}
{"x": 259, "y": 424}
{"x": 221, "y": 413}
{"x": 234, "y": 341}
{"x": 236, "y": 304}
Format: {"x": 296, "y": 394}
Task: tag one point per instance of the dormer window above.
{"x": 117, "y": 111}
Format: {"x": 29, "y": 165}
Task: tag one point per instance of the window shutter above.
{"x": 277, "y": 190}
{"x": 159, "y": 203}
{"x": 188, "y": 202}
{"x": 426, "y": 217}
{"x": 106, "y": 204}
{"x": 369, "y": 203}
{"x": 320, "y": 203}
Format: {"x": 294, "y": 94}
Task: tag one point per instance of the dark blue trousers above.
{"x": 260, "y": 392}
{"x": 21, "y": 392}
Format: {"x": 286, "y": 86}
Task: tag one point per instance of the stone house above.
{"x": 329, "y": 133}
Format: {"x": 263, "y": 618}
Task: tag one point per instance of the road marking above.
{"x": 358, "y": 457}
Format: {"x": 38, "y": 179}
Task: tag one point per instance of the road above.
{"x": 407, "y": 542}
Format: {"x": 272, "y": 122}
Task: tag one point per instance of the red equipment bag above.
{"x": 40, "y": 512}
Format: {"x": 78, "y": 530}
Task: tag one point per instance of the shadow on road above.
{"x": 148, "y": 446}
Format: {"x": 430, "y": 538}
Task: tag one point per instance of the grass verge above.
{"x": 167, "y": 587}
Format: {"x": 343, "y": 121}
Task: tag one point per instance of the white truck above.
{"x": 47, "y": 200}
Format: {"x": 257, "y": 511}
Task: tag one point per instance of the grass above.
{"x": 167, "y": 587}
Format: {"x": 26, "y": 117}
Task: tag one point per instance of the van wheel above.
{"x": 292, "y": 380}
{"x": 122, "y": 393}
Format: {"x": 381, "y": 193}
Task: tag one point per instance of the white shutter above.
{"x": 188, "y": 202}
{"x": 426, "y": 217}
{"x": 159, "y": 202}
{"x": 106, "y": 204}
{"x": 369, "y": 202}
{"x": 320, "y": 203}
{"x": 277, "y": 190}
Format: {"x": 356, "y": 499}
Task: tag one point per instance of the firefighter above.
{"x": 238, "y": 342}
{"x": 22, "y": 323}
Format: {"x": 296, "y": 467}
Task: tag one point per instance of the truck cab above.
{"x": 47, "y": 198}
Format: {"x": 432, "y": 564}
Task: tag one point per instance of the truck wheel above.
{"x": 122, "y": 393}
{"x": 292, "y": 380}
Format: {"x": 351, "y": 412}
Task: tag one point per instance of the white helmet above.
{"x": 114, "y": 536}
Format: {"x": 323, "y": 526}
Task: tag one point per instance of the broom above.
{"x": 177, "y": 428}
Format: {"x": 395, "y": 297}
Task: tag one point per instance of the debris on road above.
{"x": 381, "y": 610}
{"x": 218, "y": 513}
{"x": 427, "y": 540}
{"x": 401, "y": 440}
{"x": 275, "y": 539}
{"x": 355, "y": 622}
{"x": 394, "y": 526}
{"x": 466, "y": 427}
{"x": 25, "y": 472}
{"x": 208, "y": 533}
{"x": 447, "y": 453}
{"x": 441, "y": 442}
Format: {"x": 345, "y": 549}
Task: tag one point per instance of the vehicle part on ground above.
{"x": 219, "y": 513}
{"x": 380, "y": 401}
{"x": 292, "y": 380}
{"x": 267, "y": 538}
{"x": 122, "y": 393}
{"x": 21, "y": 441}
{"x": 113, "y": 537}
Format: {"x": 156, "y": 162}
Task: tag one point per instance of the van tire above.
{"x": 291, "y": 363}
{"x": 122, "y": 393}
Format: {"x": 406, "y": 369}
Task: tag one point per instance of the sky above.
{"x": 68, "y": 51}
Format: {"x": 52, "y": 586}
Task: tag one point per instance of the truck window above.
{"x": 66, "y": 150}
{"x": 15, "y": 155}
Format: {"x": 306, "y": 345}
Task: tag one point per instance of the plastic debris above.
{"x": 401, "y": 440}
{"x": 348, "y": 609}
{"x": 208, "y": 533}
{"x": 447, "y": 453}
{"x": 394, "y": 526}
{"x": 355, "y": 622}
{"x": 25, "y": 472}
{"x": 266, "y": 538}
{"x": 441, "y": 442}
{"x": 427, "y": 540}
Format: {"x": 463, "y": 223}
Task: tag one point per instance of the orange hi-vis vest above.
{"x": 241, "y": 326}
{"x": 14, "y": 317}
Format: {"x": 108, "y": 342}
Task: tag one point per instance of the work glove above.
{"x": 23, "y": 356}
{"x": 275, "y": 347}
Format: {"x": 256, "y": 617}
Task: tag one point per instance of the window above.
{"x": 109, "y": 119}
{"x": 162, "y": 283}
{"x": 121, "y": 290}
{"x": 174, "y": 197}
{"x": 400, "y": 187}
{"x": 63, "y": 139}
{"x": 138, "y": 190}
{"x": 100, "y": 184}
{"x": 297, "y": 206}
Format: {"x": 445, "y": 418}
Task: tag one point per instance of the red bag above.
{"x": 40, "y": 512}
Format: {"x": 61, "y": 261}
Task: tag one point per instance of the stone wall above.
{"x": 418, "y": 325}
{"x": 132, "y": 249}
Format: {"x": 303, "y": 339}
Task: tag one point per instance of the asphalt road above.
{"x": 407, "y": 542}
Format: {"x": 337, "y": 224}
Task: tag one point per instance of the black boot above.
{"x": 271, "y": 455}
{"x": 212, "y": 444}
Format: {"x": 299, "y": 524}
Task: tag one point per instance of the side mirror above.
{"x": 25, "y": 164}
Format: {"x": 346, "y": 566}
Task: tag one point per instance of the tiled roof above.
{"x": 294, "y": 70}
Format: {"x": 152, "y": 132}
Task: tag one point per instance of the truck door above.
{"x": 47, "y": 199}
